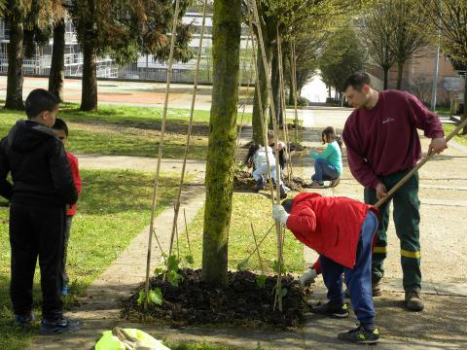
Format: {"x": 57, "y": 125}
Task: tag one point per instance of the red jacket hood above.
{"x": 329, "y": 225}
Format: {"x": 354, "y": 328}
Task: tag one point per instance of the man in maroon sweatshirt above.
{"x": 382, "y": 146}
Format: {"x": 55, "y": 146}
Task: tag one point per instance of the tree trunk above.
{"x": 256, "y": 120}
{"x": 57, "y": 70}
{"x": 290, "y": 77}
{"x": 275, "y": 82}
{"x": 14, "y": 92}
{"x": 386, "y": 78}
{"x": 464, "y": 115}
{"x": 400, "y": 69}
{"x": 222, "y": 140}
{"x": 89, "y": 82}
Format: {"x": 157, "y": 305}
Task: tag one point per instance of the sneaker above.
{"x": 413, "y": 301}
{"x": 331, "y": 310}
{"x": 65, "y": 290}
{"x": 377, "y": 289}
{"x": 259, "y": 185}
{"x": 335, "y": 182}
{"x": 360, "y": 335}
{"x": 23, "y": 321}
{"x": 316, "y": 184}
{"x": 60, "y": 326}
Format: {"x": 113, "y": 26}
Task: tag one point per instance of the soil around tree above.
{"x": 244, "y": 181}
{"x": 243, "y": 303}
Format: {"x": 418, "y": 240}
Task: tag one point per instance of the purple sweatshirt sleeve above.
{"x": 423, "y": 118}
{"x": 359, "y": 167}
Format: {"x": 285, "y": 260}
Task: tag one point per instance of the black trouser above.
{"x": 66, "y": 238}
{"x": 36, "y": 231}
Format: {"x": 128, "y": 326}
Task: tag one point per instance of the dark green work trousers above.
{"x": 406, "y": 215}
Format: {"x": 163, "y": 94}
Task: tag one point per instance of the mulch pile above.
{"x": 241, "y": 303}
{"x": 243, "y": 181}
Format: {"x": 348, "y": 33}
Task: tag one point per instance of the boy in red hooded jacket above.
{"x": 341, "y": 230}
{"x": 61, "y": 129}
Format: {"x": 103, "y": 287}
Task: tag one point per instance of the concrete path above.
{"x": 95, "y": 161}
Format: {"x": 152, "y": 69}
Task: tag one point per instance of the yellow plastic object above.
{"x": 109, "y": 341}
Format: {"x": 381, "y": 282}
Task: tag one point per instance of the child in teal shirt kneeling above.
{"x": 328, "y": 165}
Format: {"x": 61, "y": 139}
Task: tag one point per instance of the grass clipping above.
{"x": 243, "y": 302}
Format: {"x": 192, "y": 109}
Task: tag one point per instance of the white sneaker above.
{"x": 308, "y": 277}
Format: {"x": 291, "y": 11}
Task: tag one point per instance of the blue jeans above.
{"x": 357, "y": 279}
{"x": 324, "y": 171}
{"x": 263, "y": 171}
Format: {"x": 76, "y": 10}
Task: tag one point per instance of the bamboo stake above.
{"x": 257, "y": 249}
{"x": 161, "y": 145}
{"x": 158, "y": 242}
{"x": 418, "y": 166}
{"x": 250, "y": 37}
{"x": 294, "y": 86}
{"x": 261, "y": 111}
{"x": 190, "y": 127}
{"x": 274, "y": 122}
{"x": 284, "y": 107}
{"x": 261, "y": 242}
{"x": 187, "y": 235}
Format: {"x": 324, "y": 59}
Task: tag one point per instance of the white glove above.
{"x": 279, "y": 213}
{"x": 308, "y": 277}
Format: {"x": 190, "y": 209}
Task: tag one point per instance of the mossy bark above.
{"x": 14, "y": 91}
{"x": 222, "y": 140}
{"x": 57, "y": 70}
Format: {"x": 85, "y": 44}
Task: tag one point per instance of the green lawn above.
{"x": 247, "y": 209}
{"x": 130, "y": 131}
{"x": 113, "y": 208}
{"x": 462, "y": 139}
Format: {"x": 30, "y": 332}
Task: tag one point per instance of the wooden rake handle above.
{"x": 418, "y": 166}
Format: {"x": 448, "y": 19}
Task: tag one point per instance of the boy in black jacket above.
{"x": 42, "y": 188}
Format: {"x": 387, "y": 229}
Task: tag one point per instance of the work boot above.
{"x": 413, "y": 301}
{"x": 331, "y": 309}
{"x": 61, "y": 325}
{"x": 360, "y": 335}
{"x": 259, "y": 185}
{"x": 283, "y": 194}
{"x": 23, "y": 321}
{"x": 377, "y": 288}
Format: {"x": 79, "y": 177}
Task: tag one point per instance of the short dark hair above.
{"x": 38, "y": 101}
{"x": 60, "y": 125}
{"x": 357, "y": 80}
{"x": 287, "y": 204}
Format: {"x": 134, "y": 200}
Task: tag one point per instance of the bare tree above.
{"x": 410, "y": 27}
{"x": 377, "y": 23}
{"x": 450, "y": 18}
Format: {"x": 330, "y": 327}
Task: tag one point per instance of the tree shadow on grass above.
{"x": 123, "y": 144}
